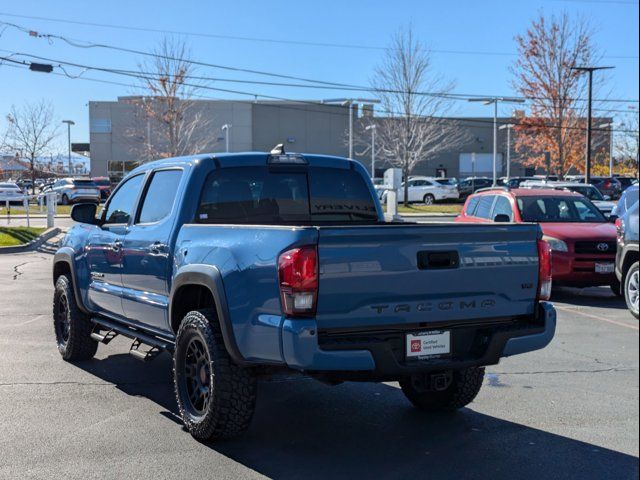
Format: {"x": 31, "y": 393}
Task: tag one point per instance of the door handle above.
{"x": 116, "y": 246}
{"x": 157, "y": 247}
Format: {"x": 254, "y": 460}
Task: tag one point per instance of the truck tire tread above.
{"x": 234, "y": 391}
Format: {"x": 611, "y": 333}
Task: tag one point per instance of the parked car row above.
{"x": 587, "y": 249}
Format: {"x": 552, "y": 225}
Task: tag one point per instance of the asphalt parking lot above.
{"x": 569, "y": 411}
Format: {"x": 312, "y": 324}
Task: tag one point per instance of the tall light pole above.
{"x": 495, "y": 101}
{"x": 508, "y": 126}
{"x": 609, "y": 125}
{"x": 226, "y": 128}
{"x": 69, "y": 123}
{"x": 350, "y": 102}
{"x": 373, "y": 149}
{"x": 589, "y": 70}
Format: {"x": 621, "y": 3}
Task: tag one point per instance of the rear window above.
{"x": 446, "y": 181}
{"x": 260, "y": 195}
{"x": 471, "y": 206}
{"x": 558, "y": 209}
{"x": 84, "y": 183}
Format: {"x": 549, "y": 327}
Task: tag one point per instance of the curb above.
{"x": 33, "y": 244}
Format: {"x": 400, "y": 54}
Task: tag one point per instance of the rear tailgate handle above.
{"x": 438, "y": 259}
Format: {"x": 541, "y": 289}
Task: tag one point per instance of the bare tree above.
{"x": 411, "y": 129}
{"x": 167, "y": 122}
{"x": 543, "y": 72}
{"x": 628, "y": 142}
{"x": 32, "y": 131}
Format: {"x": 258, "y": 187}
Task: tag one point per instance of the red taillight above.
{"x": 298, "y": 276}
{"x": 619, "y": 229}
{"x": 544, "y": 270}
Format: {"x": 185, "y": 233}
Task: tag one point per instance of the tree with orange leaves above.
{"x": 543, "y": 73}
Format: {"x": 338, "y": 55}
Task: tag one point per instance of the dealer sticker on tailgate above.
{"x": 425, "y": 344}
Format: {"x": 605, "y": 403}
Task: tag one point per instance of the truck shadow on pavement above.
{"x": 588, "y": 297}
{"x": 304, "y": 429}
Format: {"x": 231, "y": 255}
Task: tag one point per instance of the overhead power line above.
{"x": 305, "y": 43}
{"x": 292, "y": 106}
{"x": 320, "y": 83}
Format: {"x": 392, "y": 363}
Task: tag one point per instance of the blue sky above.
{"x": 461, "y": 25}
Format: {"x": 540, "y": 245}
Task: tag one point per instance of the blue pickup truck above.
{"x": 246, "y": 265}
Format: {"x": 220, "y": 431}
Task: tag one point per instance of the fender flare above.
{"x": 210, "y": 277}
{"x": 66, "y": 255}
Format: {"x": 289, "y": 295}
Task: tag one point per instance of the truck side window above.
{"x": 484, "y": 206}
{"x": 122, "y": 201}
{"x": 160, "y": 196}
{"x": 502, "y": 207}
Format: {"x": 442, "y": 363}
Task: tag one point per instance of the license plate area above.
{"x": 428, "y": 344}
{"x": 604, "y": 267}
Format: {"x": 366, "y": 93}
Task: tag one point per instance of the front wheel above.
{"x": 71, "y": 326}
{"x": 429, "y": 199}
{"x": 632, "y": 289}
{"x": 216, "y": 397}
{"x": 463, "y": 389}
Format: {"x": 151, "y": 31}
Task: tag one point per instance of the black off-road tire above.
{"x": 231, "y": 388}
{"x": 71, "y": 326}
{"x": 463, "y": 389}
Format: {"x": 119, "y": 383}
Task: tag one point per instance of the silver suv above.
{"x": 75, "y": 190}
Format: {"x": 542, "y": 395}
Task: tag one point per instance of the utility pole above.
{"x": 494, "y": 101}
{"x": 589, "y": 70}
{"x": 69, "y": 123}
{"x": 508, "y": 126}
{"x": 373, "y": 149}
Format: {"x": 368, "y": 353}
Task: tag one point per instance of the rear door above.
{"x": 145, "y": 252}
{"x": 423, "y": 274}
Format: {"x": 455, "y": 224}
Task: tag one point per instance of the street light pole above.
{"x": 373, "y": 149}
{"x": 508, "y": 126}
{"x": 494, "y": 101}
{"x": 69, "y": 123}
{"x": 589, "y": 70}
{"x": 227, "y": 131}
{"x": 349, "y": 103}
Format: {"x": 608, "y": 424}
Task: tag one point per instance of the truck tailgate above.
{"x": 423, "y": 274}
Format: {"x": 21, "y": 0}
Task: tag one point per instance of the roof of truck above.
{"x": 245, "y": 159}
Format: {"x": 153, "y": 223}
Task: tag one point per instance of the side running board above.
{"x": 140, "y": 339}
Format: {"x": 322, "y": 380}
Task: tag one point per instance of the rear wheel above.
{"x": 71, "y": 326}
{"x": 632, "y": 289}
{"x": 429, "y": 199}
{"x": 216, "y": 397}
{"x": 462, "y": 390}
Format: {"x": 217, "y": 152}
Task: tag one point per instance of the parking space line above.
{"x": 597, "y": 317}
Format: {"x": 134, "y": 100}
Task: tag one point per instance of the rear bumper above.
{"x": 579, "y": 270}
{"x": 379, "y": 354}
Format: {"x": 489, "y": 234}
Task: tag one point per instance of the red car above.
{"x": 583, "y": 243}
{"x": 104, "y": 185}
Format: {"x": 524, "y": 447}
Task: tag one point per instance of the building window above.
{"x": 100, "y": 125}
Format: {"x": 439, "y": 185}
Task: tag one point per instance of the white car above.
{"x": 428, "y": 190}
{"x": 10, "y": 192}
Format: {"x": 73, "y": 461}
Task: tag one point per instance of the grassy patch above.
{"x": 10, "y": 236}
{"x": 453, "y": 209}
{"x": 35, "y": 210}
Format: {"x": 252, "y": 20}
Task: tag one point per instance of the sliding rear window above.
{"x": 260, "y": 195}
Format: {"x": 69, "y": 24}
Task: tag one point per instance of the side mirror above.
{"x": 612, "y": 218}
{"x": 84, "y": 213}
{"x": 502, "y": 218}
{"x": 607, "y": 197}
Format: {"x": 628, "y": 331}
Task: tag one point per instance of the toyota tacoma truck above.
{"x": 247, "y": 265}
